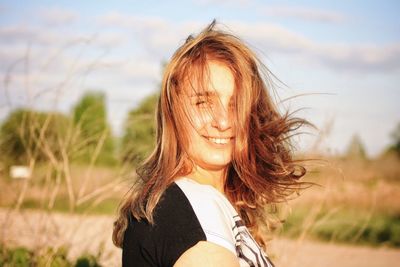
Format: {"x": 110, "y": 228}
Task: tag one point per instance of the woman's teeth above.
{"x": 219, "y": 140}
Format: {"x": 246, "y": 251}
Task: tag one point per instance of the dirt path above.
{"x": 89, "y": 233}
{"x": 290, "y": 253}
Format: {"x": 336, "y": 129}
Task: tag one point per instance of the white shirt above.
{"x": 221, "y": 223}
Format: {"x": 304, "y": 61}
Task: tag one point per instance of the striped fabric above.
{"x": 247, "y": 249}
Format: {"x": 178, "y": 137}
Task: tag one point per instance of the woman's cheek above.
{"x": 200, "y": 119}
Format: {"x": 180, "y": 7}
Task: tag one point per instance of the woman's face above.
{"x": 209, "y": 126}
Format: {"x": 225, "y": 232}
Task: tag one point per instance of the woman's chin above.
{"x": 214, "y": 164}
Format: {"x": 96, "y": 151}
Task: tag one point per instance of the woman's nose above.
{"x": 221, "y": 118}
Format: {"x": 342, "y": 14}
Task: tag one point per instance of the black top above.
{"x": 189, "y": 212}
{"x": 176, "y": 229}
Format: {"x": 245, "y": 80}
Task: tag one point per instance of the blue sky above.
{"x": 343, "y": 56}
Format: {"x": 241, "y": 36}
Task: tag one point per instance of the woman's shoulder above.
{"x": 174, "y": 206}
{"x": 185, "y": 201}
{"x": 205, "y": 197}
{"x": 175, "y": 230}
{"x": 180, "y": 202}
{"x": 196, "y": 211}
{"x": 213, "y": 211}
{"x": 194, "y": 191}
{"x": 187, "y": 212}
{"x": 187, "y": 195}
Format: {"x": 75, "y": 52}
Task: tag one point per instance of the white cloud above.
{"x": 48, "y": 73}
{"x": 9, "y": 54}
{"x": 57, "y": 16}
{"x": 24, "y": 35}
{"x": 157, "y": 36}
{"x": 362, "y": 57}
{"x": 304, "y": 13}
{"x": 109, "y": 39}
{"x": 357, "y": 57}
{"x": 120, "y": 20}
{"x": 271, "y": 37}
{"x": 158, "y": 39}
{"x": 161, "y": 37}
{"x": 237, "y": 3}
{"x": 16, "y": 33}
{"x": 27, "y": 34}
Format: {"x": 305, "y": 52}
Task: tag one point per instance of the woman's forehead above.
{"x": 218, "y": 80}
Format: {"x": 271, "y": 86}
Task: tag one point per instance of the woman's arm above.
{"x": 207, "y": 254}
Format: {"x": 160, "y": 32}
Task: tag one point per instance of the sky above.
{"x": 337, "y": 62}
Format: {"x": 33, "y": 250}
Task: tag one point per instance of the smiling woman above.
{"x": 222, "y": 155}
{"x": 209, "y": 124}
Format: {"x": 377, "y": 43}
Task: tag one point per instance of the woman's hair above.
{"x": 262, "y": 171}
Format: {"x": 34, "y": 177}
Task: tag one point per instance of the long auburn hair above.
{"x": 262, "y": 171}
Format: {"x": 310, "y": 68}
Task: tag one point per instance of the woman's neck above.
{"x": 213, "y": 178}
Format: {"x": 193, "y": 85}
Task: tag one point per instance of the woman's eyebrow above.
{"x": 208, "y": 94}
{"x": 203, "y": 93}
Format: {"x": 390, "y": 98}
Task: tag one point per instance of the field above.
{"x": 351, "y": 217}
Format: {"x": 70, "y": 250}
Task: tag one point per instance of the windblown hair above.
{"x": 262, "y": 171}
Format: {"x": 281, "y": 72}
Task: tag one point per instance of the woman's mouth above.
{"x": 219, "y": 140}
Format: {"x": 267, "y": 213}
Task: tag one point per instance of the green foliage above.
{"x": 94, "y": 133}
{"x": 87, "y": 261}
{"x": 52, "y": 257}
{"x": 107, "y": 206}
{"x": 139, "y": 136}
{"x": 32, "y": 135}
{"x": 19, "y": 257}
{"x": 90, "y": 114}
{"x": 395, "y": 147}
{"x": 22, "y": 257}
{"x": 346, "y": 226}
{"x": 27, "y": 135}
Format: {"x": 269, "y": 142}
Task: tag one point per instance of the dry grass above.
{"x": 356, "y": 201}
{"x": 360, "y": 184}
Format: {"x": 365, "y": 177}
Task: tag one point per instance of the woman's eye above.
{"x": 199, "y": 103}
{"x": 203, "y": 103}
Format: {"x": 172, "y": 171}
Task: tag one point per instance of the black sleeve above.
{"x": 176, "y": 229}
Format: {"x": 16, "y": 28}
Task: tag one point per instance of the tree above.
{"x": 29, "y": 135}
{"x": 94, "y": 133}
{"x": 139, "y": 133}
{"x": 395, "y": 135}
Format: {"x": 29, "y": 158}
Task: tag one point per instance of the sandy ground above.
{"x": 89, "y": 233}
